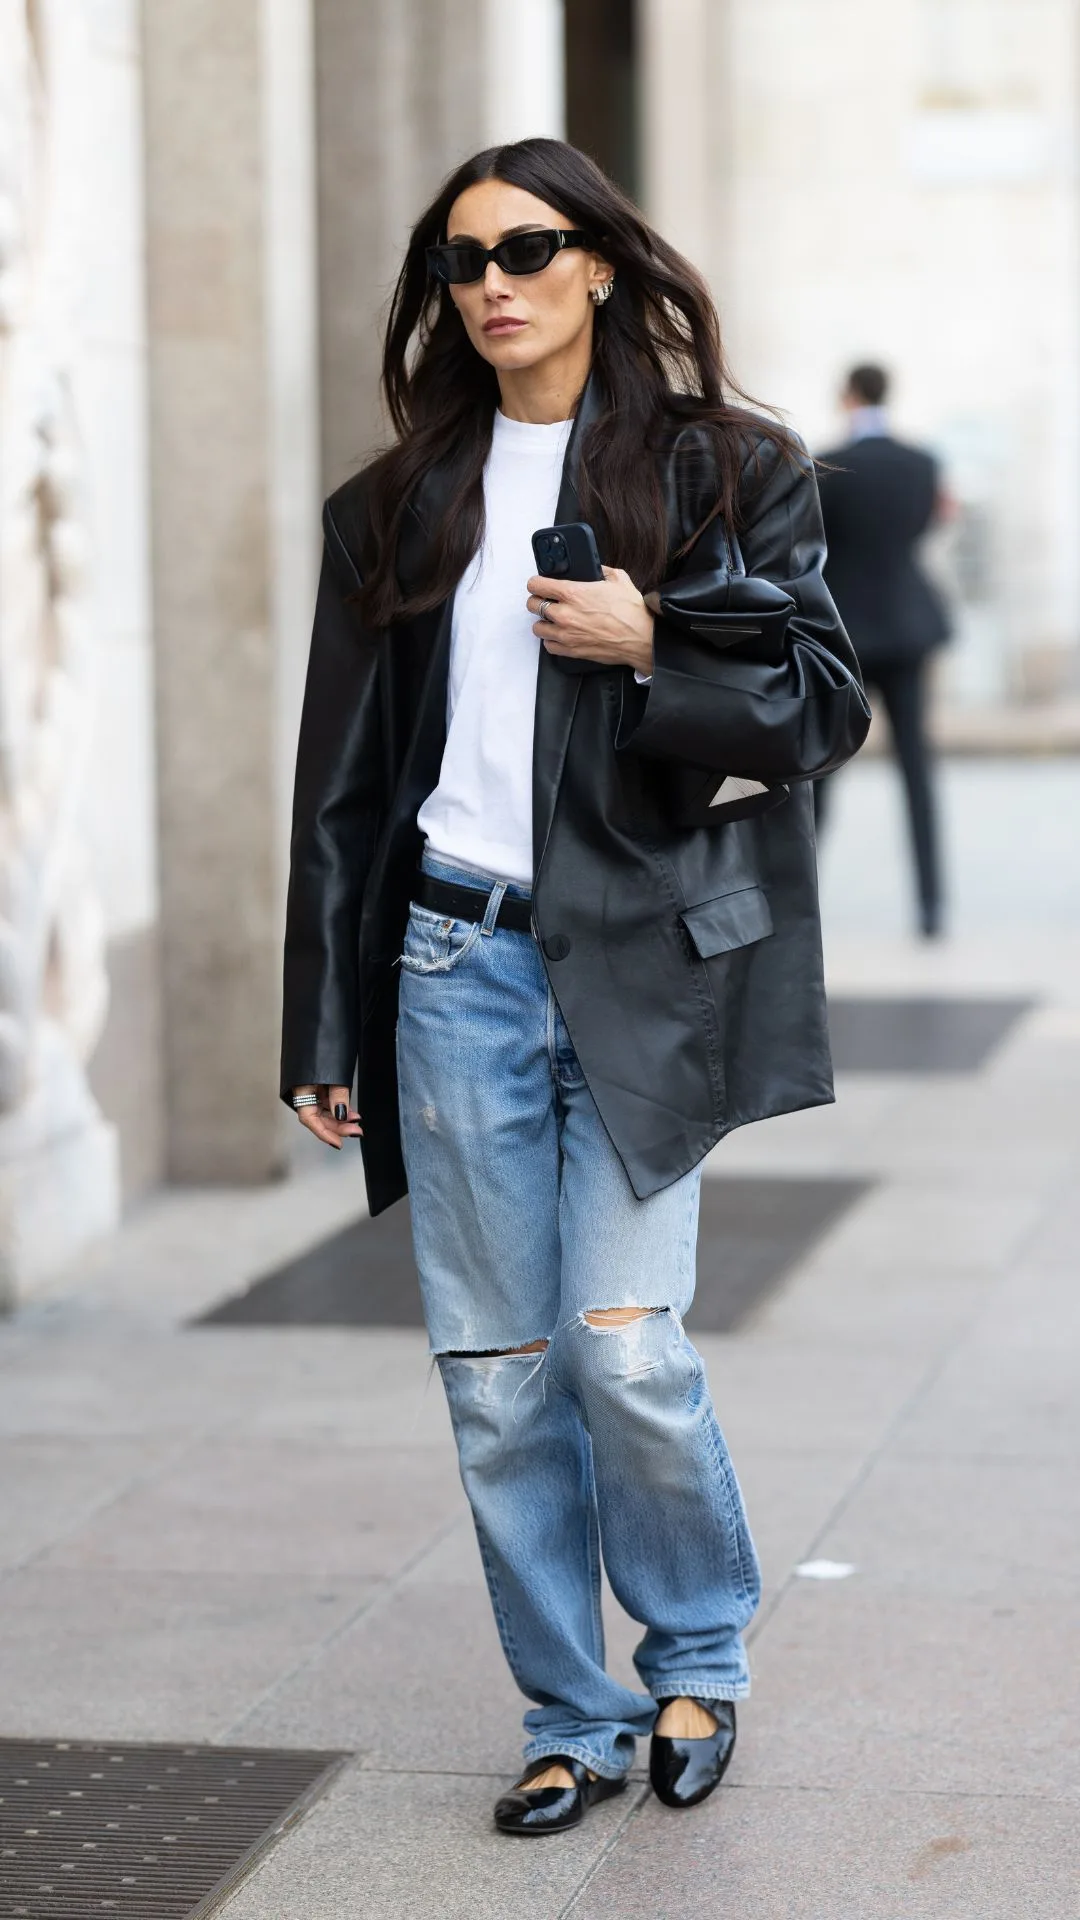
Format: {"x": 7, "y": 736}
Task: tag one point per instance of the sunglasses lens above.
{"x": 525, "y": 253}
{"x": 457, "y": 264}
{"x": 459, "y": 261}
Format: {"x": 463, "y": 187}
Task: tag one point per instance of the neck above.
{"x": 865, "y": 419}
{"x": 550, "y": 390}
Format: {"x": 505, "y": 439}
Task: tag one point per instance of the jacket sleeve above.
{"x": 753, "y": 673}
{"x": 335, "y": 817}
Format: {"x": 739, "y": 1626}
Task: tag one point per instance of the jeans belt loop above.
{"x": 491, "y": 912}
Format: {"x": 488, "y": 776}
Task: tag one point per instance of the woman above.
{"x": 579, "y": 817}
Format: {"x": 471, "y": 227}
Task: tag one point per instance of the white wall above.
{"x": 523, "y": 62}
{"x": 292, "y": 400}
{"x": 896, "y": 180}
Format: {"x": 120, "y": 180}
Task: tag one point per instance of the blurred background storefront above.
{"x": 202, "y": 208}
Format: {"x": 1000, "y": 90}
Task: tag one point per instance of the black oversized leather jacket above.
{"x": 685, "y": 957}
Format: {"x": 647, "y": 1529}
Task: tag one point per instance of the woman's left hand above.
{"x": 605, "y": 620}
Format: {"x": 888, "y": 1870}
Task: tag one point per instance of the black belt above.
{"x": 470, "y": 903}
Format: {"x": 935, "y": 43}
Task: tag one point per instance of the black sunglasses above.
{"x": 461, "y": 261}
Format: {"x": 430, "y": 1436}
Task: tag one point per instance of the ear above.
{"x": 601, "y": 271}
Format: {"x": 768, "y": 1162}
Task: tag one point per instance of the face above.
{"x": 518, "y": 320}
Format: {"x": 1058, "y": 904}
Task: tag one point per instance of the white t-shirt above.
{"x": 480, "y": 814}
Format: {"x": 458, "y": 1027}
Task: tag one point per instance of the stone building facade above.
{"x": 201, "y": 212}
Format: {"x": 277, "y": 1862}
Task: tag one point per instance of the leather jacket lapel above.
{"x": 557, "y": 692}
{"x": 427, "y": 637}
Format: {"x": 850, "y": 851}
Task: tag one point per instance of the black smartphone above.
{"x": 569, "y": 552}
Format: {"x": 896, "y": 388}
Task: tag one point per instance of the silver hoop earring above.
{"x": 603, "y": 291}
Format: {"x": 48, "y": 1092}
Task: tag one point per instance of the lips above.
{"x": 504, "y": 326}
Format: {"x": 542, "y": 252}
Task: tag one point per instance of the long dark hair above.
{"x": 657, "y": 356}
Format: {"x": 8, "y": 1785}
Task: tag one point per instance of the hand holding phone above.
{"x": 614, "y": 623}
{"x": 569, "y": 552}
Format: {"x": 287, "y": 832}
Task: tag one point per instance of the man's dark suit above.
{"x": 877, "y": 504}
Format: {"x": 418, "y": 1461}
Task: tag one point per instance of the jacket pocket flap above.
{"x": 732, "y": 920}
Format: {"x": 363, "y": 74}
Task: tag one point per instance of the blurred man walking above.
{"x": 877, "y": 504}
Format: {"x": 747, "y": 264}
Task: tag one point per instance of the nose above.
{"x": 496, "y": 283}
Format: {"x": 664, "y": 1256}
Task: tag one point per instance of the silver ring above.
{"x": 304, "y": 1100}
{"x": 544, "y": 605}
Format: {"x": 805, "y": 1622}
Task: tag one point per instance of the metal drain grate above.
{"x": 146, "y": 1832}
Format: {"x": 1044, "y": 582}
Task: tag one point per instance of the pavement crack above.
{"x": 605, "y": 1852}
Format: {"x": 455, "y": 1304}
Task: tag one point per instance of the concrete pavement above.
{"x": 258, "y": 1535}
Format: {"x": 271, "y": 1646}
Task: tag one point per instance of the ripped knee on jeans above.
{"x": 497, "y": 1353}
{"x": 620, "y": 1316}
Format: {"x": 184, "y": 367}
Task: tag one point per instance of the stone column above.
{"x": 232, "y": 399}
{"x": 289, "y": 203}
{"x": 682, "y": 71}
{"x": 406, "y": 89}
{"x": 522, "y": 62}
{"x": 58, "y": 1163}
{"x": 110, "y": 393}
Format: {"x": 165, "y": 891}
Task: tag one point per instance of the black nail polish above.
{"x": 340, "y": 1112}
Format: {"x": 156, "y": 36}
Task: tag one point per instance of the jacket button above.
{"x": 557, "y": 947}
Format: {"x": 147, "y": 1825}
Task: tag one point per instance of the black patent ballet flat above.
{"x": 535, "y": 1810}
{"x": 685, "y": 1772}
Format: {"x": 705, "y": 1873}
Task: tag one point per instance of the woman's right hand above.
{"x": 332, "y": 1120}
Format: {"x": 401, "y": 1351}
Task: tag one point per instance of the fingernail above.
{"x": 340, "y": 1112}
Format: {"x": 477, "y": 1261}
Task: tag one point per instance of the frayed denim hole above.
{"x": 532, "y": 1349}
{"x": 422, "y": 966}
{"x": 594, "y": 1319}
{"x": 531, "y": 1375}
{"x": 538, "y": 1356}
{"x": 642, "y": 1317}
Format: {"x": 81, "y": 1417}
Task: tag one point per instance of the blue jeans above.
{"x": 524, "y": 1223}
